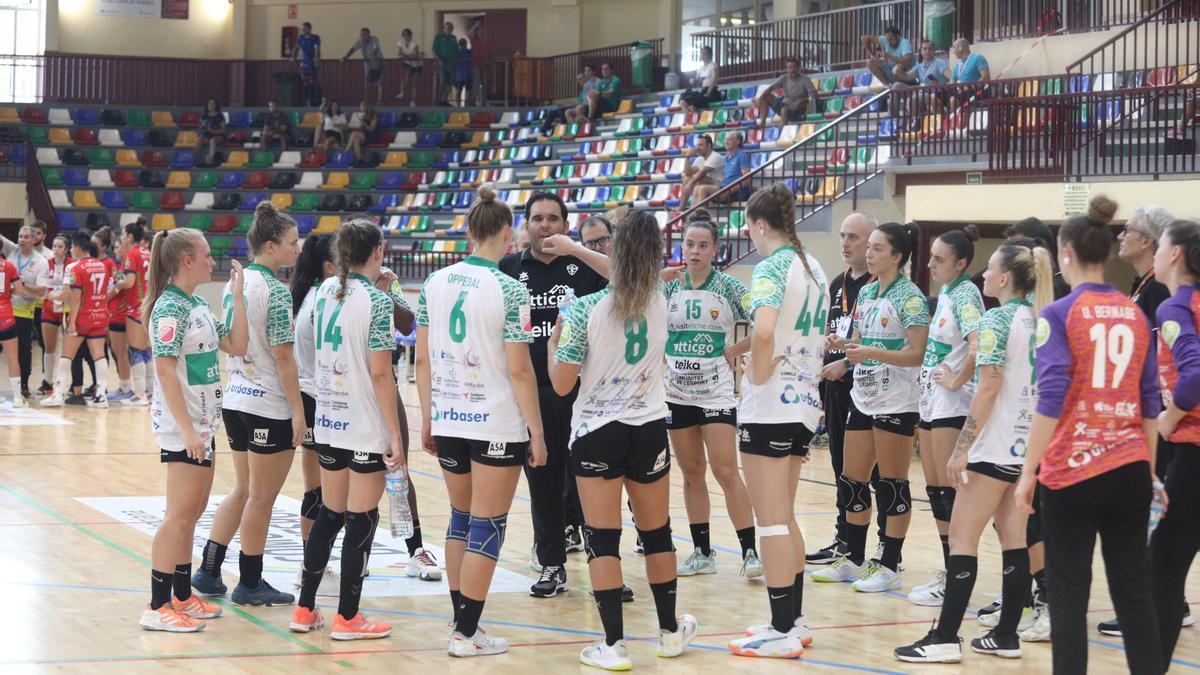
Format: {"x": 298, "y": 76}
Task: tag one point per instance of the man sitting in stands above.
{"x": 737, "y": 165}
{"x": 971, "y": 67}
{"x": 930, "y": 70}
{"x": 704, "y": 167}
{"x": 276, "y": 127}
{"x": 888, "y": 53}
{"x": 799, "y": 96}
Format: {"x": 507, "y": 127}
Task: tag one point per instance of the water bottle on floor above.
{"x": 400, "y": 515}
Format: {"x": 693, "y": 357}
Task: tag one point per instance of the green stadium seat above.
{"x": 433, "y": 120}
{"x": 244, "y": 224}
{"x": 101, "y": 157}
{"x": 52, "y": 177}
{"x": 201, "y": 221}
{"x": 420, "y": 159}
{"x": 38, "y": 135}
{"x": 263, "y": 159}
{"x": 205, "y": 180}
{"x": 143, "y": 201}
{"x": 219, "y": 245}
{"x": 364, "y": 180}
{"x": 138, "y": 118}
{"x": 305, "y": 202}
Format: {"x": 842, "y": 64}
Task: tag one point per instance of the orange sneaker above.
{"x": 169, "y": 619}
{"x": 359, "y": 628}
{"x": 305, "y": 620}
{"x": 196, "y": 607}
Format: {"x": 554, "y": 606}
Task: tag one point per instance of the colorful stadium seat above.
{"x": 162, "y": 221}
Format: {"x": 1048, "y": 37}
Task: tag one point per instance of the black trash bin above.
{"x": 287, "y": 89}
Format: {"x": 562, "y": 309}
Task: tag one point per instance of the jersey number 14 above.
{"x": 328, "y": 331}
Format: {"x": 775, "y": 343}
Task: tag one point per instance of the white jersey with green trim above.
{"x": 882, "y": 319}
{"x": 700, "y": 325}
{"x": 305, "y": 348}
{"x": 959, "y": 309}
{"x": 182, "y": 327}
{"x": 472, "y": 310}
{"x": 622, "y": 378}
{"x": 792, "y": 393}
{"x": 345, "y": 332}
{"x": 254, "y": 385}
{"x": 1008, "y": 339}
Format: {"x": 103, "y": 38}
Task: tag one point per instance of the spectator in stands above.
{"x": 569, "y": 114}
{"x": 704, "y": 84}
{"x": 481, "y": 56}
{"x": 596, "y": 234}
{"x": 308, "y": 50}
{"x": 971, "y": 66}
{"x": 930, "y": 70}
{"x": 606, "y": 95}
{"x": 1189, "y": 114}
{"x": 888, "y": 54}
{"x": 365, "y": 130}
{"x": 212, "y": 130}
{"x": 799, "y": 96}
{"x": 277, "y": 126}
{"x": 333, "y": 127}
{"x": 372, "y": 62}
{"x": 411, "y": 65}
{"x": 445, "y": 49}
{"x": 737, "y": 165}
{"x": 462, "y": 72}
{"x": 705, "y": 166}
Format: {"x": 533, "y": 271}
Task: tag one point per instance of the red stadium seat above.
{"x": 189, "y": 120}
{"x": 126, "y": 178}
{"x": 224, "y": 223}
{"x": 313, "y": 160}
{"x": 154, "y": 158}
{"x": 171, "y": 201}
{"x": 33, "y": 116}
{"x": 84, "y": 136}
{"x": 257, "y": 180}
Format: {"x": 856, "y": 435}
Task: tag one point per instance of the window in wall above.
{"x": 741, "y": 16}
{"x": 20, "y": 50}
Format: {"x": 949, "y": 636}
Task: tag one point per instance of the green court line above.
{"x": 270, "y": 628}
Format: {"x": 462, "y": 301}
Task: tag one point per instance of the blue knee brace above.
{"x": 487, "y": 536}
{"x": 460, "y": 525}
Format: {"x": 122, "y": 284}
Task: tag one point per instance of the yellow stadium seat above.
{"x": 1188, "y": 75}
{"x": 337, "y": 180}
{"x": 327, "y": 225}
{"x": 60, "y": 136}
{"x": 311, "y": 120}
{"x": 282, "y": 201}
{"x": 163, "y": 221}
{"x": 179, "y": 180}
{"x": 478, "y": 139}
{"x": 9, "y": 116}
{"x": 128, "y": 157}
{"x": 624, "y": 108}
{"x": 85, "y": 199}
{"x": 458, "y": 119}
{"x": 185, "y": 139}
{"x": 395, "y": 159}
{"x": 542, "y": 174}
{"x": 236, "y": 160}
{"x": 162, "y": 118}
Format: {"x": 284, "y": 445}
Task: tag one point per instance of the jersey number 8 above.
{"x": 636, "y": 340}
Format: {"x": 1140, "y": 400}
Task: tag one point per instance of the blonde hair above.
{"x": 1031, "y": 269}
{"x": 353, "y": 245}
{"x": 166, "y": 253}
{"x": 487, "y": 216}
{"x": 635, "y": 264}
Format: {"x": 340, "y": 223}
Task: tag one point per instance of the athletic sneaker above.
{"x": 120, "y": 395}
{"x": 770, "y": 644}
{"x": 98, "y": 402}
{"x": 829, "y": 554}
{"x": 992, "y": 607}
{"x": 534, "y": 563}
{"x": 930, "y": 649}
{"x": 879, "y": 556}
{"x": 331, "y": 583}
{"x": 930, "y": 594}
{"x": 138, "y": 400}
{"x": 1111, "y": 627}
{"x": 358, "y": 628}
{"x": 422, "y": 564}
{"x": 46, "y": 389}
{"x": 697, "y": 563}
{"x": 167, "y": 618}
{"x": 1004, "y": 646}
{"x": 208, "y": 585}
{"x": 574, "y": 539}
{"x": 752, "y": 567}
{"x": 1040, "y": 631}
{"x": 306, "y": 620}
{"x": 18, "y": 401}
{"x": 800, "y": 624}
{"x": 671, "y": 645}
{"x": 877, "y": 579}
{"x": 264, "y": 595}
{"x": 552, "y": 582}
{"x": 626, "y": 594}
{"x": 1188, "y": 619}
{"x": 196, "y": 607}
{"x": 841, "y": 570}
{"x": 54, "y": 400}
{"x": 479, "y": 644}
{"x": 992, "y": 620}
{"x": 637, "y": 546}
{"x": 76, "y": 399}
{"x": 600, "y": 655}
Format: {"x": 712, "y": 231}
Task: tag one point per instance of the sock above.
{"x": 62, "y": 376}
{"x": 213, "y": 557}
{"x": 101, "y": 377}
{"x": 455, "y": 599}
{"x": 138, "y": 371}
{"x": 15, "y": 384}
{"x": 414, "y": 542}
{"x": 700, "y": 537}
{"x": 183, "y": 581}
{"x": 317, "y": 550}
{"x": 856, "y": 542}
{"x": 664, "y": 604}
{"x": 746, "y": 539}
{"x": 609, "y": 604}
{"x": 945, "y": 549}
{"x": 783, "y": 608}
{"x": 891, "y": 552}
{"x": 250, "y": 569}
{"x": 356, "y": 552}
{"x": 160, "y": 588}
{"x": 469, "y": 611}
{"x": 125, "y": 385}
{"x": 798, "y": 595}
{"x": 960, "y": 581}
{"x": 1015, "y": 566}
{"x": 48, "y": 361}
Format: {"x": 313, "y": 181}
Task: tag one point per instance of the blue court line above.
{"x": 1121, "y": 648}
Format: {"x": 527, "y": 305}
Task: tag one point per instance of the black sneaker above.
{"x": 552, "y": 582}
{"x": 993, "y": 607}
{"x": 90, "y": 392}
{"x": 25, "y": 393}
{"x": 75, "y": 399}
{"x": 637, "y": 546}
{"x": 930, "y": 649}
{"x": 827, "y": 555}
{"x": 45, "y": 389}
{"x": 626, "y": 594}
{"x": 574, "y": 539}
{"x": 1004, "y": 646}
{"x": 264, "y": 595}
{"x": 1110, "y": 627}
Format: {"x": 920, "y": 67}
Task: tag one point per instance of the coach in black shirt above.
{"x": 548, "y": 277}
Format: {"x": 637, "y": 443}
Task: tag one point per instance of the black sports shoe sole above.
{"x": 923, "y": 659}
{"x": 561, "y": 588}
{"x": 1110, "y": 632}
{"x": 821, "y": 559}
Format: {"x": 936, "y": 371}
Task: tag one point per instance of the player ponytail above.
{"x": 962, "y": 242}
{"x": 269, "y": 226}
{"x": 776, "y": 206}
{"x": 701, "y": 219}
{"x": 1031, "y": 269}
{"x": 904, "y": 240}
{"x": 487, "y": 216}
{"x": 353, "y": 245}
{"x": 1089, "y": 234}
{"x": 136, "y": 230}
{"x": 310, "y": 267}
{"x": 166, "y": 254}
{"x": 635, "y": 264}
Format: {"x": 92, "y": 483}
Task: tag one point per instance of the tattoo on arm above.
{"x": 966, "y": 437}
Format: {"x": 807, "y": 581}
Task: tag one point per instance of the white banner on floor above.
{"x": 284, "y": 551}
{"x": 27, "y": 417}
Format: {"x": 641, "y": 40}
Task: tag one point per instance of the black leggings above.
{"x": 83, "y": 355}
{"x": 25, "y": 349}
{"x": 1175, "y": 543}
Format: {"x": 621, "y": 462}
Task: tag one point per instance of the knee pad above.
{"x": 948, "y": 495}
{"x": 460, "y": 525}
{"x": 602, "y": 543}
{"x": 327, "y": 524}
{"x": 853, "y": 496}
{"x": 311, "y": 503}
{"x": 487, "y": 535}
{"x": 936, "y": 503}
{"x": 657, "y": 541}
{"x": 893, "y": 496}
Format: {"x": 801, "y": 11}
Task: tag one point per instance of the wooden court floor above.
{"x": 75, "y": 500}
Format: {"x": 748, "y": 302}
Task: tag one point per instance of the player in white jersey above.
{"x": 479, "y": 408}
{"x": 988, "y": 456}
{"x": 780, "y": 410}
{"x": 264, "y": 418}
{"x": 355, "y": 427}
{"x": 947, "y": 383}
{"x": 617, "y": 337}
{"x": 53, "y": 307}
{"x": 891, "y": 327}
{"x": 185, "y": 414}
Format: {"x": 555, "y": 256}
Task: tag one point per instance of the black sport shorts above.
{"x": 683, "y": 416}
{"x": 456, "y": 454}
{"x": 639, "y": 453}
{"x": 789, "y": 439}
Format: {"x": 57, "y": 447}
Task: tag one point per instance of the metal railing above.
{"x": 37, "y": 193}
{"x": 413, "y": 264}
{"x": 1163, "y": 39}
{"x": 1008, "y": 19}
{"x": 821, "y": 42}
{"x": 553, "y": 78}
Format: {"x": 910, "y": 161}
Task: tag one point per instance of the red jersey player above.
{"x": 87, "y": 320}
{"x": 10, "y": 281}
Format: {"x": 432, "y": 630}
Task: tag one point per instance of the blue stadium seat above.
{"x": 112, "y": 199}
{"x": 1079, "y": 84}
{"x": 428, "y": 139}
{"x": 250, "y": 200}
{"x": 887, "y": 128}
{"x": 135, "y": 138}
{"x": 239, "y": 249}
{"x": 240, "y": 119}
{"x": 384, "y": 203}
{"x": 17, "y": 155}
{"x": 86, "y": 116}
{"x": 390, "y": 180}
{"x": 340, "y": 160}
{"x": 461, "y": 201}
{"x": 183, "y": 159}
{"x": 231, "y": 180}
{"x": 66, "y": 222}
{"x": 387, "y": 120}
{"x": 305, "y": 224}
{"x": 76, "y": 178}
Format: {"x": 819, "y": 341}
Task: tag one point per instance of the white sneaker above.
{"x": 930, "y": 594}
{"x": 331, "y": 583}
{"x": 697, "y": 563}
{"x": 137, "y": 400}
{"x": 840, "y": 570}
{"x": 480, "y": 644}
{"x": 752, "y": 567}
{"x": 18, "y": 401}
{"x": 1040, "y": 630}
{"x": 99, "y": 402}
{"x": 879, "y": 556}
{"x": 671, "y": 645}
{"x": 54, "y": 400}
{"x": 930, "y": 649}
{"x": 534, "y": 564}
{"x": 1027, "y": 619}
{"x": 600, "y": 655}
{"x": 422, "y": 564}
{"x": 801, "y": 625}
{"x": 877, "y": 579}
{"x": 770, "y": 644}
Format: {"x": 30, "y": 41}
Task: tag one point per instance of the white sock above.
{"x": 62, "y": 377}
{"x": 138, "y": 370}
{"x": 15, "y": 383}
{"x": 48, "y": 361}
{"x": 126, "y": 386}
{"x": 101, "y": 377}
